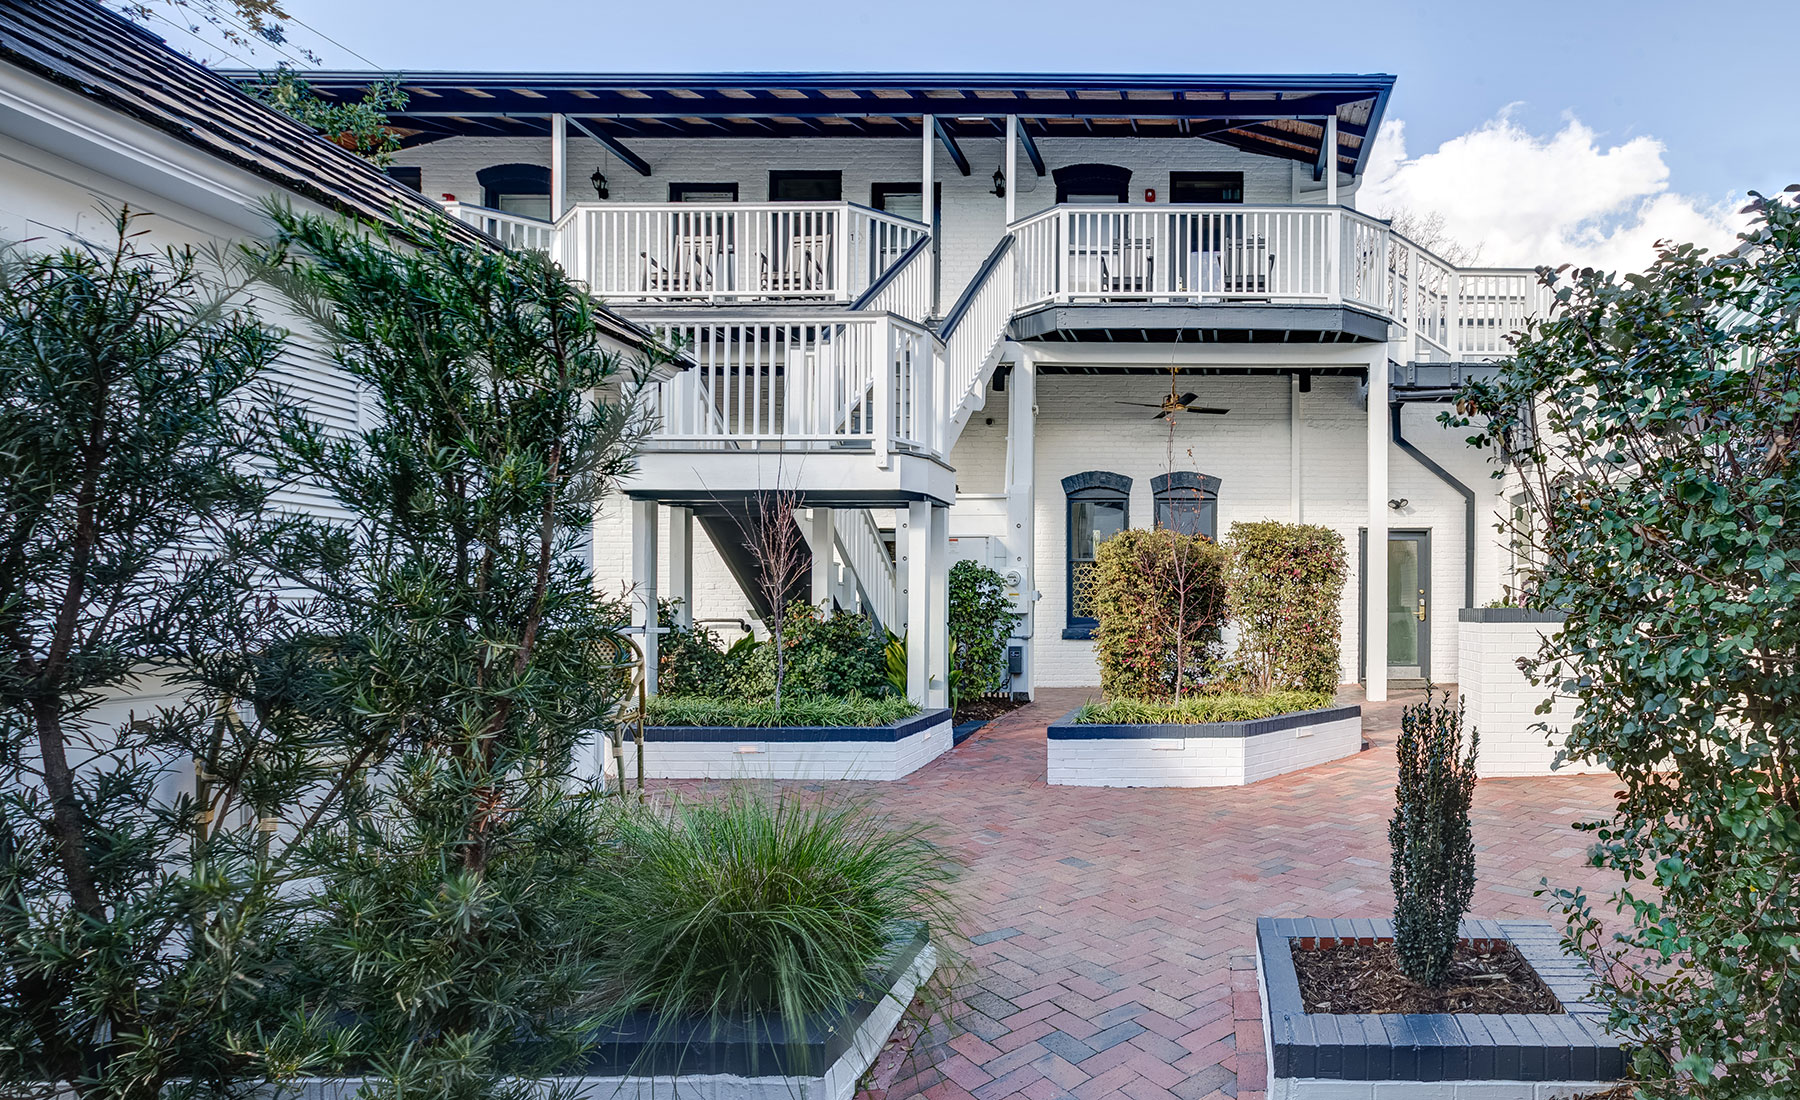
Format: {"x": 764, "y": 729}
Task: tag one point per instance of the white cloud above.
{"x": 1526, "y": 200}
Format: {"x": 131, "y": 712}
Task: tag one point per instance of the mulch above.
{"x": 1365, "y": 978}
{"x": 987, "y": 708}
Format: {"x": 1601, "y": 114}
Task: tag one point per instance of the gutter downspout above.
{"x": 1449, "y": 479}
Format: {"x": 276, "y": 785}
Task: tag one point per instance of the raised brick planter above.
{"x": 1459, "y": 1056}
{"x": 1207, "y": 754}
{"x": 795, "y": 752}
{"x": 635, "y": 1062}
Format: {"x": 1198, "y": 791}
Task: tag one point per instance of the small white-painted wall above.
{"x": 973, "y": 218}
{"x": 1502, "y": 705}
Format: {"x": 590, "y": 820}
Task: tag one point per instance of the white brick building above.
{"x": 946, "y": 372}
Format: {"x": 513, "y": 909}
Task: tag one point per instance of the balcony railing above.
{"x": 1283, "y": 254}
{"x": 714, "y": 252}
{"x": 827, "y": 381}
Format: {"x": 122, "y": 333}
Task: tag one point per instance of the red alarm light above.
{"x": 1149, "y": 194}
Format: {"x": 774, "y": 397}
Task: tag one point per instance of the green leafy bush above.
{"x": 690, "y": 660}
{"x": 808, "y": 710}
{"x": 754, "y": 906}
{"x": 840, "y": 655}
{"x": 1283, "y": 589}
{"x": 1434, "y": 848}
{"x": 981, "y": 621}
{"x": 1159, "y": 597}
{"x": 1650, "y": 423}
{"x": 1198, "y": 708}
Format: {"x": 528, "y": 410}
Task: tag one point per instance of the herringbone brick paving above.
{"x": 1112, "y": 930}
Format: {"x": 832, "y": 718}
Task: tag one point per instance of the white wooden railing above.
{"x": 974, "y": 329}
{"x": 1288, "y": 254}
{"x": 511, "y": 230}
{"x": 731, "y": 252}
{"x": 904, "y": 289}
{"x": 821, "y": 380}
{"x": 860, "y": 544}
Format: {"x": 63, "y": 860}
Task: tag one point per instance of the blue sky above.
{"x": 1710, "y": 85}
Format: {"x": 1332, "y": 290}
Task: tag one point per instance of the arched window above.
{"x": 1098, "y": 508}
{"x": 522, "y": 189}
{"x": 1092, "y": 183}
{"x": 1187, "y": 502}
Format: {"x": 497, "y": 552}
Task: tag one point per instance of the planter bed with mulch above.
{"x": 1201, "y": 754}
{"x": 641, "y": 1060}
{"x": 889, "y": 751}
{"x": 1515, "y": 1023}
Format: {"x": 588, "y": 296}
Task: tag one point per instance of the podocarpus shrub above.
{"x": 1650, "y": 423}
{"x": 1434, "y": 849}
{"x": 1159, "y": 597}
{"x": 981, "y": 620}
{"x": 836, "y": 655}
{"x": 1283, "y": 591}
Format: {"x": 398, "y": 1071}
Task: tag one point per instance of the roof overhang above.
{"x": 1280, "y": 116}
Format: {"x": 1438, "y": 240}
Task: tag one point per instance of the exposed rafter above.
{"x": 1031, "y": 149}
{"x": 956, "y": 155}
{"x": 618, "y": 147}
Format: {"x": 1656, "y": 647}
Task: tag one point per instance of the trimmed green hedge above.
{"x": 1284, "y": 586}
{"x": 814, "y": 710}
{"x": 1159, "y": 597}
{"x": 1195, "y": 709}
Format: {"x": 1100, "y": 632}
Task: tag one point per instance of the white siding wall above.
{"x": 972, "y": 218}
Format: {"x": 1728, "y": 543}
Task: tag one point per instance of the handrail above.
{"x": 961, "y": 309}
{"x": 893, "y": 272}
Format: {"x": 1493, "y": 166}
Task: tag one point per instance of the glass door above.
{"x": 1409, "y": 604}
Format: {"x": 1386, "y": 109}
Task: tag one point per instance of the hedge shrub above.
{"x": 1159, "y": 597}
{"x": 1284, "y": 586}
{"x": 981, "y": 620}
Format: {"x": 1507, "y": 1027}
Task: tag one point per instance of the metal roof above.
{"x": 116, "y": 63}
{"x": 1281, "y": 116}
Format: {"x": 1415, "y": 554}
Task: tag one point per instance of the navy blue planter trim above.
{"x": 1067, "y": 729}
{"x": 893, "y": 731}
{"x": 1508, "y": 615}
{"x": 1572, "y": 1045}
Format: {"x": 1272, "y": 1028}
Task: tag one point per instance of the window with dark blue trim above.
{"x": 522, "y": 189}
{"x": 1098, "y": 504}
{"x": 1187, "y": 502}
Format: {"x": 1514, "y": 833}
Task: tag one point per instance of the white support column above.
{"x": 927, "y": 197}
{"x": 1012, "y": 169}
{"x": 681, "y": 562}
{"x": 915, "y": 557}
{"x": 937, "y": 578}
{"x": 559, "y": 164}
{"x": 643, "y": 583}
{"x": 820, "y": 533}
{"x": 1021, "y": 494}
{"x": 1295, "y": 450}
{"x": 1375, "y": 565}
{"x": 1331, "y": 160}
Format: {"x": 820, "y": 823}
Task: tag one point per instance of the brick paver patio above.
{"x": 1113, "y": 929}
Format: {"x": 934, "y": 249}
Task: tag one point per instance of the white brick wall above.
{"x": 972, "y": 217}
{"x": 1199, "y": 761}
{"x": 1502, "y": 703}
{"x": 1081, "y": 426}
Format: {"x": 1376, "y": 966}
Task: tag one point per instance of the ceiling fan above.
{"x": 1175, "y": 402}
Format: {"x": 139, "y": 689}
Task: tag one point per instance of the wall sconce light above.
{"x": 1399, "y": 505}
{"x": 598, "y": 179}
{"x": 999, "y": 183}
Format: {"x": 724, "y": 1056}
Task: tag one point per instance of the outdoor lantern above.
{"x": 598, "y": 179}
{"x": 999, "y": 183}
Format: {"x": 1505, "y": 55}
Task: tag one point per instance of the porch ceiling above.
{"x": 1280, "y": 116}
{"x": 1200, "y": 323}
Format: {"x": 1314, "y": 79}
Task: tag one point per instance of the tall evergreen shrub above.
{"x": 1159, "y": 597}
{"x": 1285, "y": 583}
{"x": 1434, "y": 848}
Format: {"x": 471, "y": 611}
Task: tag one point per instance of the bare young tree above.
{"x": 773, "y": 538}
{"x": 1427, "y": 229}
